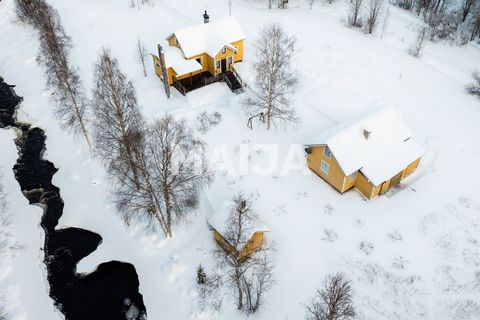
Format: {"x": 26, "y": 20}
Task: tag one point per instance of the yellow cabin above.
{"x": 202, "y": 54}
{"x": 372, "y": 154}
{"x": 253, "y": 242}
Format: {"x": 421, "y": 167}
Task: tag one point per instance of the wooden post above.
{"x": 161, "y": 56}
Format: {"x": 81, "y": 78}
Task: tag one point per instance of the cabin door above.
{"x": 224, "y": 65}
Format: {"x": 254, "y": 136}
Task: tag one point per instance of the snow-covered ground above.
{"x": 420, "y": 256}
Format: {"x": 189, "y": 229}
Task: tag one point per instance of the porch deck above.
{"x": 197, "y": 81}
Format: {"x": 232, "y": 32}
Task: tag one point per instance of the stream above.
{"x": 111, "y": 292}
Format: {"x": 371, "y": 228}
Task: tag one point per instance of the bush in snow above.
{"x": 395, "y": 236}
{"x": 366, "y": 247}
{"x": 250, "y": 277}
{"x": 354, "y": 18}
{"x": 333, "y": 301}
{"x": 416, "y": 49}
{"x": 329, "y": 235}
{"x": 275, "y": 79}
{"x": 376, "y": 8}
{"x": 474, "y": 87}
{"x": 206, "y": 121}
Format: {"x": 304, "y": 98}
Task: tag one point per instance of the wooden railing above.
{"x": 238, "y": 77}
{"x": 177, "y": 84}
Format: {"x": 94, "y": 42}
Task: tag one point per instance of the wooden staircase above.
{"x": 234, "y": 81}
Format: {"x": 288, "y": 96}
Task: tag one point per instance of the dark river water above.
{"x": 110, "y": 292}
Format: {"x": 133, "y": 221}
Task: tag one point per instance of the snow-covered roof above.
{"x": 174, "y": 59}
{"x": 219, "y": 218}
{"x": 209, "y": 37}
{"x": 388, "y": 149}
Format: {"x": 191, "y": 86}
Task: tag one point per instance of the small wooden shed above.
{"x": 371, "y": 153}
{"x": 255, "y": 232}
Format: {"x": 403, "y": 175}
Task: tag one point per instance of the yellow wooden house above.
{"x": 255, "y": 233}
{"x": 202, "y": 54}
{"x": 371, "y": 154}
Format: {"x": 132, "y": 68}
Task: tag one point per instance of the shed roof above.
{"x": 209, "y": 37}
{"x": 174, "y": 59}
{"x": 388, "y": 149}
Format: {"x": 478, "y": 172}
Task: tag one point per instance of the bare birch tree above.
{"x": 275, "y": 78}
{"x": 251, "y": 277}
{"x": 374, "y": 13}
{"x": 172, "y": 170}
{"x": 141, "y": 55}
{"x": 354, "y": 18}
{"x": 333, "y": 301}
{"x": 117, "y": 117}
{"x": 63, "y": 79}
{"x": 416, "y": 49}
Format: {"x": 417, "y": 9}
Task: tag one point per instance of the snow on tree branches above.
{"x": 63, "y": 79}
{"x": 171, "y": 168}
{"x": 275, "y": 78}
{"x": 333, "y": 301}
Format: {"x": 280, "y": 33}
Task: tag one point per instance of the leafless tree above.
{"x": 141, "y": 55}
{"x": 416, "y": 49}
{"x": 117, "y": 117}
{"x": 354, "y": 17}
{"x": 64, "y": 80}
{"x": 333, "y": 301}
{"x": 467, "y": 6}
{"x": 275, "y": 78}
{"x": 375, "y": 11}
{"x": 3, "y": 198}
{"x": 311, "y": 2}
{"x": 474, "y": 88}
{"x": 475, "y": 23}
{"x": 249, "y": 276}
{"x": 172, "y": 170}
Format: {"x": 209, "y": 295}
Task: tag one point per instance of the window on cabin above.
{"x": 325, "y": 167}
{"x": 224, "y": 50}
{"x": 199, "y": 60}
{"x": 229, "y": 60}
{"x": 353, "y": 176}
{"x": 218, "y": 64}
{"x": 327, "y": 153}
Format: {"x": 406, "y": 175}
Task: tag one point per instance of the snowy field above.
{"x": 413, "y": 254}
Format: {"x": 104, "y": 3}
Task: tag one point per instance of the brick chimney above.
{"x": 206, "y": 17}
{"x": 366, "y": 133}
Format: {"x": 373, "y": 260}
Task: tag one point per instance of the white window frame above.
{"x": 327, "y": 152}
{"x": 224, "y": 50}
{"x": 327, "y": 166}
{"x": 229, "y": 60}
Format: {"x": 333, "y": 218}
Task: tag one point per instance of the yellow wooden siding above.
{"x": 172, "y": 40}
{"x": 411, "y": 167}
{"x": 239, "y": 55}
{"x": 255, "y": 242}
{"x": 222, "y": 243}
{"x": 158, "y": 70}
{"x": 335, "y": 175}
{"x": 220, "y": 56}
{"x": 349, "y": 182}
{"x": 363, "y": 185}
